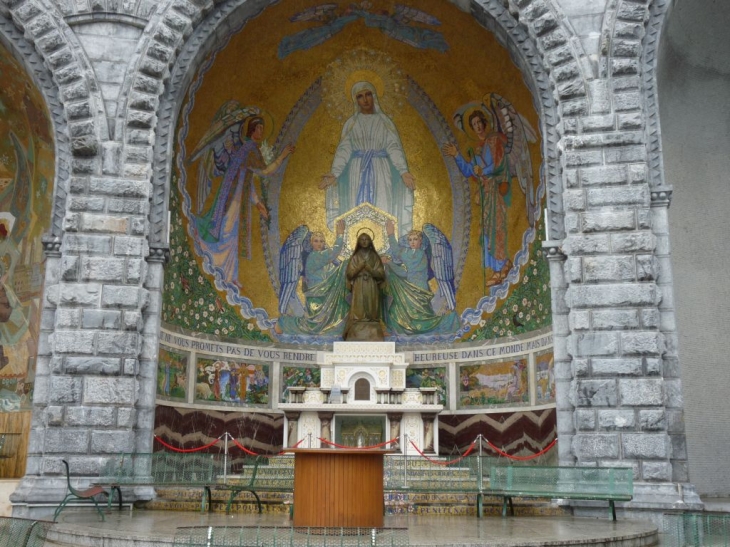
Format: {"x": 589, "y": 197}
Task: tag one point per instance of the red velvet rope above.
{"x": 391, "y": 441}
{"x": 174, "y": 449}
{"x": 298, "y": 443}
{"x": 394, "y": 440}
{"x": 438, "y": 462}
{"x": 246, "y": 450}
{"x": 522, "y": 458}
{"x": 250, "y": 453}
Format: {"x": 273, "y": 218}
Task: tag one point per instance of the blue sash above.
{"x": 366, "y": 190}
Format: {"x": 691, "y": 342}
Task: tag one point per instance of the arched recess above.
{"x": 14, "y": 41}
{"x": 692, "y": 82}
{"x": 42, "y": 144}
{"x": 540, "y": 45}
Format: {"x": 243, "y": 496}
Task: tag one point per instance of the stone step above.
{"x": 422, "y": 503}
{"x": 429, "y": 473}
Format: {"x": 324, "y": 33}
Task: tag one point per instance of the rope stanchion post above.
{"x": 479, "y": 462}
{"x": 405, "y": 460}
{"x": 225, "y": 457}
{"x": 480, "y": 480}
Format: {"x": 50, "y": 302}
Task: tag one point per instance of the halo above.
{"x": 365, "y": 229}
{"x": 467, "y": 126}
{"x": 268, "y": 124}
{"x": 228, "y": 115}
{"x": 365, "y": 75}
{"x": 359, "y": 65}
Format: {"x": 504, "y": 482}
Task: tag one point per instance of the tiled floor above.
{"x": 150, "y": 528}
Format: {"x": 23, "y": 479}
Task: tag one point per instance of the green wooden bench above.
{"x": 15, "y": 532}
{"x": 86, "y": 495}
{"x": 176, "y": 469}
{"x": 260, "y": 475}
{"x": 584, "y": 483}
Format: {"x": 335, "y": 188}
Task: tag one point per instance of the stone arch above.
{"x": 12, "y": 39}
{"x": 658, "y": 14}
{"x": 534, "y": 32}
{"x": 43, "y": 25}
{"x": 630, "y": 40}
{"x": 148, "y": 73}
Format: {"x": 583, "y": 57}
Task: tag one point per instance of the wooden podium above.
{"x": 338, "y": 487}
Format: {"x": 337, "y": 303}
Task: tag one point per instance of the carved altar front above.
{"x": 365, "y": 379}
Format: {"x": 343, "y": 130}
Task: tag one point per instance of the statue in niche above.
{"x": 365, "y": 276}
{"x": 325, "y": 420}
{"x": 395, "y": 429}
{"x": 428, "y": 433}
{"x": 293, "y": 426}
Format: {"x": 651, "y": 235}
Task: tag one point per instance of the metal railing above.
{"x": 696, "y": 529}
{"x": 287, "y": 536}
{"x": 16, "y": 532}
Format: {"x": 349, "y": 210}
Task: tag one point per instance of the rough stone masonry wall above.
{"x": 94, "y": 388}
{"x": 625, "y": 388}
{"x": 619, "y": 399}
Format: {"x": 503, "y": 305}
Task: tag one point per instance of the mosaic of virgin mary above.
{"x": 447, "y": 185}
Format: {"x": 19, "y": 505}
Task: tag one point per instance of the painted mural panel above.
{"x": 412, "y": 125}
{"x": 26, "y": 188}
{"x": 172, "y": 374}
{"x": 429, "y": 377}
{"x": 501, "y": 383}
{"x": 302, "y": 376}
{"x": 237, "y": 382}
{"x": 545, "y": 377}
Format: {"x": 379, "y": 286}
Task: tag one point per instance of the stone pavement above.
{"x": 80, "y": 527}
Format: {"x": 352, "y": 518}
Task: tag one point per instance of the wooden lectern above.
{"x": 338, "y": 487}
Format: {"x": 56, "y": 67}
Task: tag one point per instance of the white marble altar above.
{"x": 411, "y": 414}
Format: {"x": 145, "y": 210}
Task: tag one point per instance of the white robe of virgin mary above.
{"x": 369, "y": 164}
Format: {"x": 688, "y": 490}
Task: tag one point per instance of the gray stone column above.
{"x": 90, "y": 382}
{"x": 563, "y": 371}
{"x": 147, "y": 374}
{"x": 673, "y": 416}
{"x": 619, "y": 333}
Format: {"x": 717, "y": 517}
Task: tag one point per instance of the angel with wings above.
{"x": 417, "y": 258}
{"x": 232, "y": 148}
{"x": 306, "y": 256}
{"x": 501, "y": 154}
